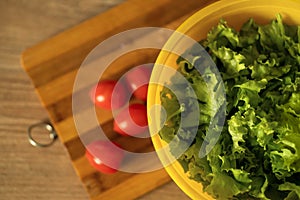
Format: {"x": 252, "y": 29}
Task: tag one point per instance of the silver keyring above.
{"x": 48, "y": 127}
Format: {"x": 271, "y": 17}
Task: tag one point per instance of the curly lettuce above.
{"x": 257, "y": 155}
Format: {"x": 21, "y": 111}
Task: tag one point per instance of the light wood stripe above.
{"x": 135, "y": 186}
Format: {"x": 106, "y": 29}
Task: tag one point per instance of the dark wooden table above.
{"x": 27, "y": 172}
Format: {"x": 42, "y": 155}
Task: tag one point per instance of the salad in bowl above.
{"x": 246, "y": 142}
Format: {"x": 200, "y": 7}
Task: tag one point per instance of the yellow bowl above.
{"x": 235, "y": 12}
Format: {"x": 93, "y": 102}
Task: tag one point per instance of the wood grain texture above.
{"x": 27, "y": 172}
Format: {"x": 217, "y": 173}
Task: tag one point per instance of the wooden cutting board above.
{"x": 52, "y": 66}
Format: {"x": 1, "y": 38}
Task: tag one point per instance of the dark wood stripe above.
{"x": 132, "y": 144}
{"x": 76, "y": 147}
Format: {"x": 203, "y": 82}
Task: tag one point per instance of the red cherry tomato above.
{"x": 132, "y": 120}
{"x": 102, "y": 94}
{"x": 141, "y": 92}
{"x": 137, "y": 79}
{"x": 104, "y": 156}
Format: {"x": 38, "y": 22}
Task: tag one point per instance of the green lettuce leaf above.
{"x": 257, "y": 155}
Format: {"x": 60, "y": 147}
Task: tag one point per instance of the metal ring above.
{"x": 48, "y": 127}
